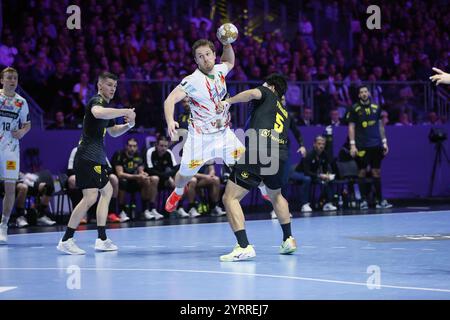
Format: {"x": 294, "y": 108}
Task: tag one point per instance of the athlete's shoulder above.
{"x": 97, "y": 100}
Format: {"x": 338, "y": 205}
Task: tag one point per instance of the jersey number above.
{"x": 6, "y": 126}
{"x": 279, "y": 125}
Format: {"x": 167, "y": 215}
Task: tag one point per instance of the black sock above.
{"x": 69, "y": 234}
{"x": 241, "y": 237}
{"x": 123, "y": 208}
{"x": 212, "y": 204}
{"x": 144, "y": 204}
{"x": 20, "y": 212}
{"x": 362, "y": 189}
{"x": 113, "y": 205}
{"x": 191, "y": 205}
{"x": 286, "y": 230}
{"x": 151, "y": 206}
{"x": 101, "y": 232}
{"x": 377, "y": 184}
{"x": 42, "y": 210}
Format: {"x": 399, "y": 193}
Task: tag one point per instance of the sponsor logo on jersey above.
{"x": 237, "y": 153}
{"x": 10, "y": 165}
{"x": 98, "y": 169}
{"x": 245, "y": 174}
{"x": 195, "y": 163}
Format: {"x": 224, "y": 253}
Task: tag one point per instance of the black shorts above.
{"x": 250, "y": 176}
{"x": 371, "y": 156}
{"x": 89, "y": 174}
{"x": 130, "y": 186}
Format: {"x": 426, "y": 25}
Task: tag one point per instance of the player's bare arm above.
{"x": 174, "y": 97}
{"x": 351, "y": 137}
{"x": 100, "y": 112}
{"x": 228, "y": 56}
{"x": 245, "y": 96}
{"x": 120, "y": 129}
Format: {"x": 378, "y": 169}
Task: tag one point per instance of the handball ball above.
{"x": 227, "y": 33}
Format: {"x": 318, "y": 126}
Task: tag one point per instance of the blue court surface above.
{"x": 371, "y": 256}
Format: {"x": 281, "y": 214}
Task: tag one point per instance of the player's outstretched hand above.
{"x": 440, "y": 77}
{"x": 172, "y": 127}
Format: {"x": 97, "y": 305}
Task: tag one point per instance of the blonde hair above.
{"x": 6, "y": 70}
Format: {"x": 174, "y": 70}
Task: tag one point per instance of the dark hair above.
{"x": 107, "y": 75}
{"x": 201, "y": 43}
{"x": 131, "y": 139}
{"x": 363, "y": 86}
{"x": 279, "y": 82}
{"x": 162, "y": 138}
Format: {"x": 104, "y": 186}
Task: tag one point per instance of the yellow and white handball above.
{"x": 227, "y": 33}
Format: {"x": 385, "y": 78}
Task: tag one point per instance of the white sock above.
{"x": 179, "y": 191}
{"x": 4, "y": 222}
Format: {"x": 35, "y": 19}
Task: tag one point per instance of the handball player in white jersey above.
{"x": 209, "y": 134}
{"x": 14, "y": 124}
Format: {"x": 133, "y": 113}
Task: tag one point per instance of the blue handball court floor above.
{"x": 371, "y": 256}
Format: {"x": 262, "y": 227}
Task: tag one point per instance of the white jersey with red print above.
{"x": 13, "y": 112}
{"x": 205, "y": 92}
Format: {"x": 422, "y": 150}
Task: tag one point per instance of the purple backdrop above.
{"x": 406, "y": 171}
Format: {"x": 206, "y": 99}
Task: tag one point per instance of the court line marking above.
{"x": 262, "y": 275}
{"x": 226, "y": 222}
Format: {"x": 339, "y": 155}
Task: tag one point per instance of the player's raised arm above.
{"x": 174, "y": 97}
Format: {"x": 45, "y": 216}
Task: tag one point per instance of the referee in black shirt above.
{"x": 368, "y": 145}
{"x": 90, "y": 163}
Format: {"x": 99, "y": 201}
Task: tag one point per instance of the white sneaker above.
{"x": 363, "y": 205}
{"x": 289, "y": 246}
{"x": 148, "y": 215}
{"x": 273, "y": 215}
{"x": 45, "y": 221}
{"x": 384, "y": 205}
{"x": 329, "y": 207}
{"x": 218, "y": 211}
{"x": 69, "y": 247}
{"x": 306, "y": 208}
{"x": 106, "y": 245}
{"x": 194, "y": 213}
{"x": 21, "y": 222}
{"x": 3, "y": 234}
{"x": 123, "y": 217}
{"x": 182, "y": 213}
{"x": 239, "y": 254}
{"x": 157, "y": 215}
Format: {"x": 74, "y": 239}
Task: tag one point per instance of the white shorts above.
{"x": 9, "y": 165}
{"x": 199, "y": 148}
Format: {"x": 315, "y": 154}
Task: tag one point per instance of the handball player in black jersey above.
{"x": 90, "y": 163}
{"x": 269, "y": 123}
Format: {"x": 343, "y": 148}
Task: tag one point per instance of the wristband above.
{"x": 352, "y": 142}
{"x": 384, "y": 141}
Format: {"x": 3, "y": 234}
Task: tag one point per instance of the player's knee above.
{"x": 376, "y": 173}
{"x": 113, "y": 179}
{"x": 193, "y": 181}
{"x": 90, "y": 199}
{"x": 22, "y": 188}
